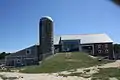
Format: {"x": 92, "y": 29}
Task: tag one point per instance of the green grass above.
{"x": 100, "y": 78}
{"x": 118, "y": 78}
{"x": 59, "y": 62}
{"x": 4, "y": 70}
{"x": 79, "y": 74}
{"x": 104, "y": 74}
{"x": 107, "y": 73}
{"x": 72, "y": 74}
{"x": 8, "y": 78}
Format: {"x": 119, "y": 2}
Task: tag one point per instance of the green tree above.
{"x": 3, "y": 54}
{"x": 117, "y": 48}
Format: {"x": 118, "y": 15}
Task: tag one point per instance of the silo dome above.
{"x": 47, "y": 17}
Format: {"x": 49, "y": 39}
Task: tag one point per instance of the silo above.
{"x": 46, "y": 36}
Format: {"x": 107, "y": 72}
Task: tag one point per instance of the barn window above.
{"x": 18, "y": 61}
{"x": 106, "y": 45}
{"x": 99, "y": 46}
{"x": 106, "y": 51}
{"x": 99, "y": 51}
{"x": 28, "y": 51}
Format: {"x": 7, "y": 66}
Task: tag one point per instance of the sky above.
{"x": 19, "y": 20}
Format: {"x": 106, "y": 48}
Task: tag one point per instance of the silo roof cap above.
{"x": 48, "y": 17}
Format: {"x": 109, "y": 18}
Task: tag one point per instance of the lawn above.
{"x": 7, "y": 78}
{"x": 106, "y": 73}
{"x": 59, "y": 62}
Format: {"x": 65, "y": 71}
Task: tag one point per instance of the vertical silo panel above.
{"x": 46, "y": 36}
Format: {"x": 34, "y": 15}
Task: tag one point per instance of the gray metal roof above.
{"x": 85, "y": 38}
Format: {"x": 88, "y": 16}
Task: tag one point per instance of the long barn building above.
{"x": 94, "y": 44}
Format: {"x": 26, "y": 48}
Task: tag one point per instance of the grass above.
{"x": 79, "y": 74}
{"x": 105, "y": 73}
{"x": 118, "y": 78}
{"x": 72, "y": 74}
{"x": 100, "y": 78}
{"x": 4, "y": 70}
{"x": 59, "y": 62}
{"x": 8, "y": 78}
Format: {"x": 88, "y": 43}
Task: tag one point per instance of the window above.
{"x": 99, "y": 46}
{"x": 28, "y": 51}
{"x": 106, "y": 45}
{"x": 18, "y": 61}
{"x": 99, "y": 51}
{"x": 106, "y": 51}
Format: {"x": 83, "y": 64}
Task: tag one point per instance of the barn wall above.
{"x": 103, "y": 49}
{"x": 70, "y": 45}
{"x": 28, "y": 56}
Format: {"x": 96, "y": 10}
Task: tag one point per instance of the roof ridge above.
{"x": 82, "y": 34}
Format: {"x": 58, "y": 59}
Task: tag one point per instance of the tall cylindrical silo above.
{"x": 46, "y": 36}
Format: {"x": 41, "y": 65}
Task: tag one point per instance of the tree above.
{"x": 116, "y": 48}
{"x": 3, "y": 54}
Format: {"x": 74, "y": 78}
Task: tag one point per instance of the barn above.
{"x": 94, "y": 44}
{"x": 24, "y": 57}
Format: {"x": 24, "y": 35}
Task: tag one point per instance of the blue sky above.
{"x": 19, "y": 20}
